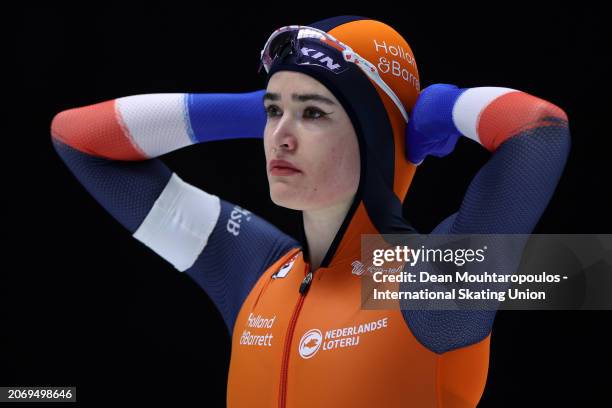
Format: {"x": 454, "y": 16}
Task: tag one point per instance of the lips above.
{"x": 282, "y": 168}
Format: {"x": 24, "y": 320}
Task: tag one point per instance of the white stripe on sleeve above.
{"x": 469, "y": 106}
{"x": 156, "y": 123}
{"x": 179, "y": 223}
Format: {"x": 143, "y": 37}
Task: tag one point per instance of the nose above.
{"x": 284, "y": 134}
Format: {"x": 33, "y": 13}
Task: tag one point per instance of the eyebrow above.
{"x": 300, "y": 98}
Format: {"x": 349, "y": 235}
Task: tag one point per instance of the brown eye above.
{"x": 270, "y": 110}
{"x": 310, "y": 113}
{"x": 317, "y": 112}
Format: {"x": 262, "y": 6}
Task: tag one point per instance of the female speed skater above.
{"x": 344, "y": 126}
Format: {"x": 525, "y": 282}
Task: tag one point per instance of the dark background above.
{"x": 87, "y": 305}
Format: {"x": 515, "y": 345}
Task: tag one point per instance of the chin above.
{"x": 291, "y": 202}
{"x": 292, "y": 198}
{"x": 283, "y": 196}
{"x": 286, "y": 203}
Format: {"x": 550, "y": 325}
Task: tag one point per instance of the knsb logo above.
{"x": 236, "y": 217}
{"x": 284, "y": 270}
{"x": 310, "y": 343}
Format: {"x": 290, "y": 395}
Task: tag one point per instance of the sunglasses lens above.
{"x": 281, "y": 44}
{"x": 312, "y": 47}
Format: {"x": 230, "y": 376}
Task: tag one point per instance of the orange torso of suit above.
{"x": 321, "y": 349}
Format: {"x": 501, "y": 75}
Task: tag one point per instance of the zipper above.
{"x": 282, "y": 396}
{"x": 306, "y": 283}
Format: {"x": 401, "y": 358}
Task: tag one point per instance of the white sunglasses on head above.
{"x": 296, "y": 35}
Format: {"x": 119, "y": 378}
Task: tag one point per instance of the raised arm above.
{"x": 529, "y": 140}
{"x": 112, "y": 148}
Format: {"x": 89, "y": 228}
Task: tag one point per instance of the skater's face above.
{"x": 308, "y": 128}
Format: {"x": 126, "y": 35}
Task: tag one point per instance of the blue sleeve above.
{"x": 507, "y": 196}
{"x": 228, "y": 266}
{"x": 224, "y": 116}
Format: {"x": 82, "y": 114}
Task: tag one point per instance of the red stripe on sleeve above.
{"x": 513, "y": 113}
{"x": 95, "y": 130}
